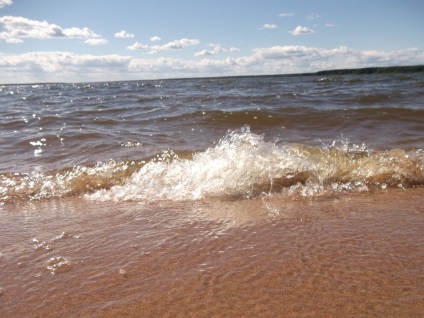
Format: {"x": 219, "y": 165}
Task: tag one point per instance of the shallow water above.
{"x": 290, "y": 196}
{"x": 356, "y": 255}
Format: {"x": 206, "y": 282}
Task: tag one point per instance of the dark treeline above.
{"x": 374, "y": 70}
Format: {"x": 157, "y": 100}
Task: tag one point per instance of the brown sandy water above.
{"x": 270, "y": 196}
{"x": 359, "y": 255}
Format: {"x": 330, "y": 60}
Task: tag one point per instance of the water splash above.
{"x": 241, "y": 165}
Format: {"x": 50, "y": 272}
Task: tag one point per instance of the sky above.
{"x": 107, "y": 40}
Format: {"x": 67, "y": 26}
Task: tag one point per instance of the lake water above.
{"x": 290, "y": 196}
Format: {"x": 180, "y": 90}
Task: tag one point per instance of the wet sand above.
{"x": 359, "y": 255}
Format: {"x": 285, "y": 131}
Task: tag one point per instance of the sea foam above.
{"x": 243, "y": 164}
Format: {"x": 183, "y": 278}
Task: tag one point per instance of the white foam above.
{"x": 239, "y": 161}
{"x": 58, "y": 264}
{"x": 242, "y": 164}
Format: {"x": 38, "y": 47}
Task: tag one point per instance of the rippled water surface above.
{"x": 57, "y": 138}
{"x": 279, "y": 196}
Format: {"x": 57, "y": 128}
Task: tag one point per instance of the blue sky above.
{"x": 101, "y": 40}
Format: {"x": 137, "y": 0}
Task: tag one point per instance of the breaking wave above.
{"x": 241, "y": 165}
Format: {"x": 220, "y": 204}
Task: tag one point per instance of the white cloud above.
{"x": 155, "y": 39}
{"x": 124, "y": 34}
{"x": 79, "y": 33}
{"x": 176, "y": 45}
{"x": 329, "y": 25}
{"x": 300, "y": 30}
{"x": 204, "y": 53}
{"x": 297, "y": 59}
{"x": 290, "y": 14}
{"x": 409, "y": 56}
{"x": 296, "y": 52}
{"x": 13, "y": 40}
{"x": 137, "y": 46}
{"x": 71, "y": 67}
{"x": 4, "y": 3}
{"x": 19, "y": 27}
{"x": 60, "y": 66}
{"x": 234, "y": 50}
{"x": 268, "y": 26}
{"x": 96, "y": 41}
{"x": 218, "y": 50}
{"x": 215, "y": 51}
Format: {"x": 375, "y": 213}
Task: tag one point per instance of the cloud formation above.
{"x": 137, "y": 46}
{"x": 96, "y": 41}
{"x": 155, "y": 38}
{"x": 174, "y": 45}
{"x": 301, "y": 30}
{"x": 215, "y": 51}
{"x": 18, "y": 28}
{"x": 124, "y": 34}
{"x": 268, "y": 26}
{"x": 4, "y": 3}
{"x": 290, "y": 14}
{"x": 71, "y": 67}
{"x": 177, "y": 44}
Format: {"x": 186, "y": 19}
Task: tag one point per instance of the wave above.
{"x": 319, "y": 119}
{"x": 241, "y": 165}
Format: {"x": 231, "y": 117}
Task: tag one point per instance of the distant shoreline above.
{"x": 348, "y": 71}
{"x": 373, "y": 70}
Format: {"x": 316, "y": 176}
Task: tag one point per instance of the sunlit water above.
{"x": 289, "y": 196}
